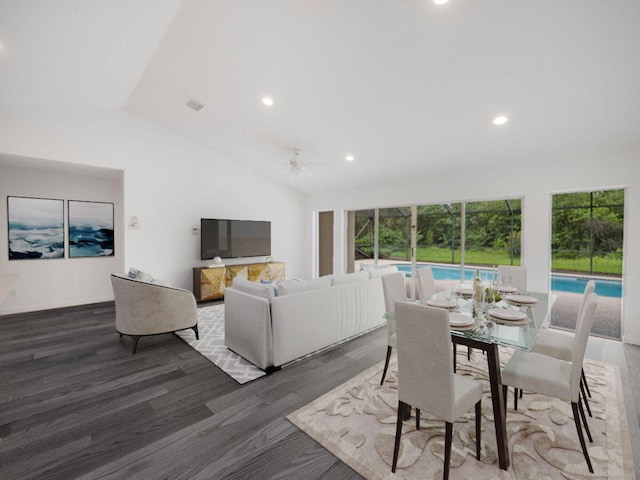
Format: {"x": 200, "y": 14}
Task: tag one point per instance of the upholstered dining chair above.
{"x": 425, "y": 375}
{"x": 426, "y": 283}
{"x": 557, "y": 344}
{"x": 550, "y": 376}
{"x": 393, "y": 286}
{"x": 518, "y": 273}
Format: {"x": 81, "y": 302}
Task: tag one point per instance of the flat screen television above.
{"x": 234, "y": 238}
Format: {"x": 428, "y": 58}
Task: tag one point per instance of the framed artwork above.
{"x": 36, "y": 228}
{"x": 90, "y": 229}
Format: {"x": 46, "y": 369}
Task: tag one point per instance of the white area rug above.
{"x": 211, "y": 345}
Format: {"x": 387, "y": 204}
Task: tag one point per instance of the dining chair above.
{"x": 393, "y": 287}
{"x": 557, "y": 344}
{"x": 557, "y": 378}
{"x": 425, "y": 375}
{"x": 518, "y": 273}
{"x": 426, "y": 283}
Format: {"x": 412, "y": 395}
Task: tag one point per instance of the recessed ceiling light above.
{"x": 501, "y": 120}
{"x": 267, "y": 101}
{"x": 440, "y": 2}
{"x": 349, "y": 158}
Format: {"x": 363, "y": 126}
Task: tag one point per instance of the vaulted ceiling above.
{"x": 407, "y": 87}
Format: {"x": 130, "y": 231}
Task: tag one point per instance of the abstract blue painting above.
{"x": 36, "y": 228}
{"x": 90, "y": 229}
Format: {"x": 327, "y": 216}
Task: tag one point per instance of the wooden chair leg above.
{"x": 195, "y": 330}
{"x": 478, "y": 427}
{"x": 136, "y": 339}
{"x": 586, "y": 385}
{"x": 417, "y": 419}
{"x": 396, "y": 448}
{"x": 505, "y": 397}
{"x": 448, "y": 437}
{"x": 584, "y": 420}
{"x": 515, "y": 399}
{"x": 584, "y": 396}
{"x": 386, "y": 364}
{"x": 576, "y": 418}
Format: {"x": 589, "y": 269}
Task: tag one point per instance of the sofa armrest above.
{"x": 247, "y": 327}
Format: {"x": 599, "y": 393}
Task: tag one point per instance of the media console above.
{"x": 209, "y": 282}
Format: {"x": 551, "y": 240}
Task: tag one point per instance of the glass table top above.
{"x": 520, "y": 334}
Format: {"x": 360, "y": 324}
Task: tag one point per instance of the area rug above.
{"x": 356, "y": 422}
{"x": 211, "y": 345}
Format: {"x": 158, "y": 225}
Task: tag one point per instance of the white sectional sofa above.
{"x": 273, "y": 324}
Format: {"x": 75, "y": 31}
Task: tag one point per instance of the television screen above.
{"x": 234, "y": 238}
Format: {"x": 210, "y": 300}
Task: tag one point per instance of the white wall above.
{"x": 169, "y": 184}
{"x": 535, "y": 183}
{"x": 59, "y": 282}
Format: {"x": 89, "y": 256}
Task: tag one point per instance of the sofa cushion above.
{"x": 287, "y": 288}
{"x": 379, "y": 272}
{"x": 265, "y": 290}
{"x": 349, "y": 278}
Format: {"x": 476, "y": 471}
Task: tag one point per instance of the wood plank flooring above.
{"x": 75, "y": 404}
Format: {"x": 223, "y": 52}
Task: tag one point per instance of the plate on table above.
{"x": 464, "y": 291}
{"x": 506, "y": 289}
{"x": 521, "y": 299}
{"x": 457, "y": 320}
{"x": 507, "y": 314}
{"x": 442, "y": 303}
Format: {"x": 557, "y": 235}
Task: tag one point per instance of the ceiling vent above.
{"x": 195, "y": 105}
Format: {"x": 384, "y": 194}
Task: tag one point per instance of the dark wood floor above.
{"x": 74, "y": 403}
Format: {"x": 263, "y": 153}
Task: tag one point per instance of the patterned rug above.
{"x": 356, "y": 422}
{"x": 211, "y": 345}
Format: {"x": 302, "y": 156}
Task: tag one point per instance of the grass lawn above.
{"x": 601, "y": 265}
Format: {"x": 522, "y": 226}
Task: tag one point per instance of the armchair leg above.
{"x": 401, "y": 409}
{"x": 576, "y": 418}
{"x": 417, "y": 419}
{"x": 448, "y": 437}
{"x": 195, "y": 330}
{"x": 515, "y": 398}
{"x": 386, "y": 364}
{"x": 136, "y": 339}
{"x": 478, "y": 427}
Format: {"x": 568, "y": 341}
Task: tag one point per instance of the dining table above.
{"x": 499, "y": 325}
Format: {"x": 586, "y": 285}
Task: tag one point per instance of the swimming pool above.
{"x": 559, "y": 283}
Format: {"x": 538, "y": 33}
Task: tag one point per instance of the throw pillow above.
{"x": 287, "y": 288}
{"x": 349, "y": 278}
{"x": 254, "y": 288}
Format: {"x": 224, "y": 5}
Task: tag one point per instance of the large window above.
{"x": 587, "y": 232}
{"x": 586, "y": 243}
{"x": 492, "y": 233}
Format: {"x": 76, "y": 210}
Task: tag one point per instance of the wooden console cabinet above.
{"x": 209, "y": 283}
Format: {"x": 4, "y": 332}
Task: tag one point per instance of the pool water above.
{"x": 559, "y": 283}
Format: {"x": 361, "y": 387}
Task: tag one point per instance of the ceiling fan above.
{"x": 297, "y": 167}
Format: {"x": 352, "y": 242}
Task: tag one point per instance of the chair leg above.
{"x": 396, "y": 448}
{"x": 515, "y": 399}
{"x": 417, "y": 419}
{"x": 136, "y": 339}
{"x": 448, "y": 437}
{"x": 195, "y": 330}
{"x": 584, "y": 420}
{"x": 586, "y": 385}
{"x": 468, "y": 353}
{"x": 386, "y": 364}
{"x": 478, "y": 427}
{"x": 505, "y": 397}
{"x": 576, "y": 418}
{"x": 455, "y": 351}
{"x": 584, "y": 395}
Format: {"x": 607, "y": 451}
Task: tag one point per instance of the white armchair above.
{"x": 144, "y": 308}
